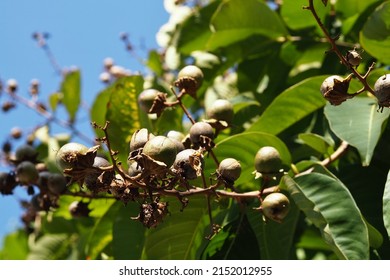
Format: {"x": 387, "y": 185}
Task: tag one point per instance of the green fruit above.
{"x": 146, "y": 99}
{"x": 66, "y": 156}
{"x": 221, "y": 110}
{"x": 267, "y": 160}
{"x": 139, "y": 139}
{"x": 26, "y": 173}
{"x": 56, "y": 183}
{"x": 25, "y": 152}
{"x": 229, "y": 169}
{"x": 161, "y": 148}
{"x": 185, "y": 165}
{"x": 192, "y": 72}
{"x": 201, "y": 129}
{"x": 275, "y": 206}
{"x": 382, "y": 90}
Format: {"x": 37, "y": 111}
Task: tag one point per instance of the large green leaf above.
{"x": 243, "y": 147}
{"x": 375, "y": 36}
{"x": 328, "y": 204}
{"x": 15, "y": 246}
{"x": 128, "y": 234}
{"x": 180, "y": 234}
{"x": 317, "y": 142}
{"x": 235, "y": 21}
{"x": 50, "y": 247}
{"x": 101, "y": 234}
{"x": 290, "y": 106}
{"x": 123, "y": 113}
{"x": 358, "y": 122}
{"x": 386, "y": 205}
{"x": 71, "y": 90}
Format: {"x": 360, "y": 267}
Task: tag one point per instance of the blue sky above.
{"x": 82, "y": 34}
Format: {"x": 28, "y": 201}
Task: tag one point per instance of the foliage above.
{"x": 269, "y": 60}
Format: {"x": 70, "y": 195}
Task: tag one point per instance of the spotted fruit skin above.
{"x": 192, "y": 71}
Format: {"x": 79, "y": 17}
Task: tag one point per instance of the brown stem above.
{"x": 182, "y": 105}
{"x": 362, "y": 79}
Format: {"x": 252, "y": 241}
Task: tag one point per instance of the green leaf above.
{"x": 358, "y": 122}
{"x": 375, "y": 36}
{"x": 235, "y": 21}
{"x": 55, "y": 99}
{"x": 317, "y": 142}
{"x": 195, "y": 31}
{"x": 298, "y": 18}
{"x": 101, "y": 234}
{"x": 15, "y": 246}
{"x": 154, "y": 63}
{"x": 50, "y": 247}
{"x": 128, "y": 235}
{"x": 328, "y": 204}
{"x": 71, "y": 90}
{"x": 291, "y": 106}
{"x": 180, "y": 234}
{"x": 123, "y": 113}
{"x": 243, "y": 147}
{"x": 386, "y": 205}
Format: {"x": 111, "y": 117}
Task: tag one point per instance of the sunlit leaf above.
{"x": 358, "y": 122}
{"x": 180, "y": 234}
{"x": 317, "y": 142}
{"x": 50, "y": 247}
{"x": 55, "y": 99}
{"x": 328, "y": 204}
{"x": 375, "y": 35}
{"x": 15, "y": 246}
{"x": 71, "y": 90}
{"x": 291, "y": 106}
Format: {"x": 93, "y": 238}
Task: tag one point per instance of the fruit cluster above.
{"x": 172, "y": 164}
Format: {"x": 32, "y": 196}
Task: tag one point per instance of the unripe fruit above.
{"x": 161, "y": 148}
{"x": 27, "y": 173}
{"x": 201, "y": 129}
{"x": 382, "y": 90}
{"x": 267, "y": 160}
{"x": 192, "y": 72}
{"x": 56, "y": 183}
{"x": 146, "y": 99}
{"x": 275, "y": 206}
{"x": 25, "y": 152}
{"x": 221, "y": 110}
{"x": 229, "y": 169}
{"x": 66, "y": 156}
{"x": 139, "y": 139}
{"x": 42, "y": 181}
{"x": 184, "y": 163}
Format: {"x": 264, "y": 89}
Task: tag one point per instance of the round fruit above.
{"x": 134, "y": 169}
{"x": 201, "y": 129}
{"x": 267, "y": 160}
{"x": 139, "y": 139}
{"x": 25, "y": 152}
{"x": 162, "y": 149}
{"x": 328, "y": 84}
{"x": 229, "y": 169}
{"x": 382, "y": 90}
{"x": 192, "y": 72}
{"x": 353, "y": 58}
{"x": 275, "y": 206}
{"x": 66, "y": 156}
{"x": 42, "y": 181}
{"x": 146, "y": 99}
{"x": 221, "y": 110}
{"x": 27, "y": 173}
{"x": 56, "y": 183}
{"x": 184, "y": 163}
